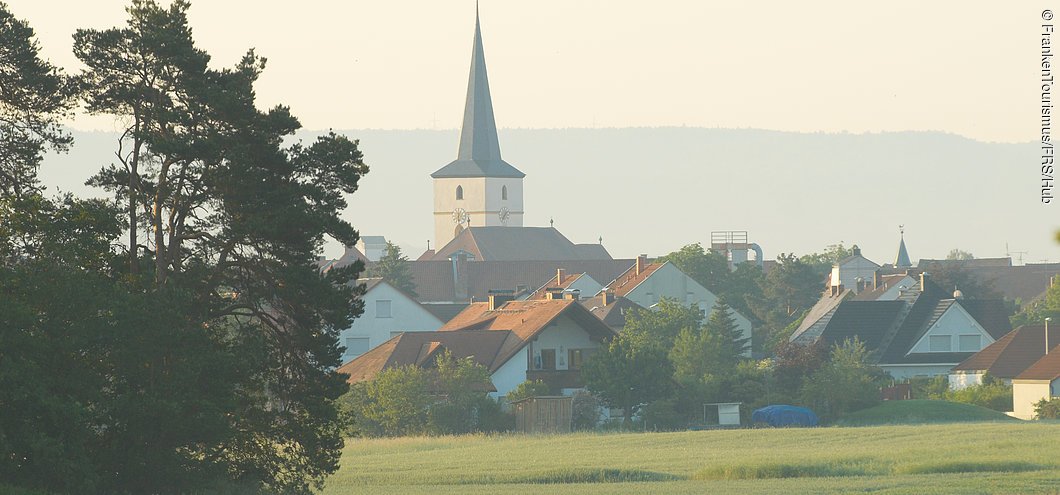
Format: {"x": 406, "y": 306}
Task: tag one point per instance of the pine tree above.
{"x": 394, "y": 268}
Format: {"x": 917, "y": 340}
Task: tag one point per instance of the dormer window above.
{"x": 459, "y": 192}
{"x": 504, "y": 192}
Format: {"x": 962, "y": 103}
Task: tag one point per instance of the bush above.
{"x": 527, "y": 389}
{"x": 1047, "y": 409}
{"x": 586, "y": 410}
{"x": 991, "y": 394}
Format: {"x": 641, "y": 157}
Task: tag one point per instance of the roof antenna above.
{"x": 552, "y": 222}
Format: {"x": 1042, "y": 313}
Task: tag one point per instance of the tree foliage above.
{"x": 846, "y": 383}
{"x": 527, "y": 389}
{"x": 632, "y": 370}
{"x": 394, "y": 268}
{"x": 446, "y": 398}
{"x": 204, "y": 355}
{"x": 958, "y": 254}
{"x": 35, "y": 97}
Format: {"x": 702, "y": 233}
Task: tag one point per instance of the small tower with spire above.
{"x": 478, "y": 187}
{"x": 902, "y": 260}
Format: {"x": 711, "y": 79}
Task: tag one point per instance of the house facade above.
{"x": 1041, "y": 381}
{"x": 924, "y": 332}
{"x": 546, "y": 340}
{"x": 1006, "y": 358}
{"x": 388, "y": 311}
{"x": 645, "y": 284}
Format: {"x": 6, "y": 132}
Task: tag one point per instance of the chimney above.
{"x": 497, "y": 298}
{"x": 1047, "y": 335}
{"x": 642, "y": 262}
{"x": 875, "y": 280}
{"x": 607, "y": 297}
{"x": 923, "y": 281}
{"x": 560, "y": 275}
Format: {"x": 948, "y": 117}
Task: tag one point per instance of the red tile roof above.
{"x": 1046, "y": 368}
{"x": 1013, "y": 353}
{"x": 630, "y": 279}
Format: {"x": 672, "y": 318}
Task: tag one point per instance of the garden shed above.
{"x": 544, "y": 414}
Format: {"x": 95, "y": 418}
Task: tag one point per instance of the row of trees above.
{"x": 667, "y": 363}
{"x": 175, "y": 336}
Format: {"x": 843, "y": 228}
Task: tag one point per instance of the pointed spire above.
{"x": 478, "y": 137}
{"x": 479, "y": 154}
{"x": 902, "y": 260}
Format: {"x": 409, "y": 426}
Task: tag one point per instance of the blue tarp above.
{"x": 779, "y": 415}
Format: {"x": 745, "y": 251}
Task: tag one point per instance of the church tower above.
{"x": 478, "y": 189}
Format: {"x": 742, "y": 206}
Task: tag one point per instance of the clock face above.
{"x": 460, "y": 216}
{"x": 504, "y": 214}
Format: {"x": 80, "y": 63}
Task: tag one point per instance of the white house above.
{"x": 648, "y": 283}
{"x": 924, "y": 332}
{"x": 1006, "y": 358}
{"x": 388, "y": 311}
{"x": 1040, "y": 381}
{"x": 854, "y": 272}
{"x": 545, "y": 340}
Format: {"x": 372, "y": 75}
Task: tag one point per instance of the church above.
{"x": 478, "y": 198}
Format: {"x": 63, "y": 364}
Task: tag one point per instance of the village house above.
{"x": 926, "y": 331}
{"x": 646, "y": 284}
{"x": 545, "y": 339}
{"x": 1040, "y": 381}
{"x": 1006, "y": 358}
{"x": 388, "y": 311}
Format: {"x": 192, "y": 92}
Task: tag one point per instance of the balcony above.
{"x": 557, "y": 379}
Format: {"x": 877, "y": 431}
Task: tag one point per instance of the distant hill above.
{"x": 651, "y": 190}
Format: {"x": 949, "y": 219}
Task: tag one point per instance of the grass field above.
{"x": 956, "y": 458}
{"x": 899, "y": 412}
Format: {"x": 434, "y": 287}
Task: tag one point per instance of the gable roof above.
{"x": 556, "y": 283}
{"x": 444, "y": 281}
{"x": 886, "y": 283}
{"x": 630, "y": 279}
{"x": 890, "y": 329}
{"x": 525, "y": 320}
{"x": 1046, "y": 368}
{"x": 1013, "y": 353}
{"x": 614, "y": 314}
{"x": 444, "y": 311}
{"x": 416, "y": 348}
{"x": 518, "y": 244}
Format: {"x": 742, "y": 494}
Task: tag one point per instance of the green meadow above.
{"x": 953, "y": 458}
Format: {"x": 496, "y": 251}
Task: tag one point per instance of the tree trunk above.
{"x": 134, "y": 264}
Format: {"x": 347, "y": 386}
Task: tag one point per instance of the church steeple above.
{"x": 478, "y": 137}
{"x": 479, "y": 154}
{"x": 902, "y": 260}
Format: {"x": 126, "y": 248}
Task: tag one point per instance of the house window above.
{"x": 459, "y": 192}
{"x": 548, "y": 359}
{"x": 355, "y": 346}
{"x": 968, "y": 343}
{"x": 575, "y": 357}
{"x": 504, "y": 192}
{"x": 939, "y": 343}
{"x": 382, "y": 308}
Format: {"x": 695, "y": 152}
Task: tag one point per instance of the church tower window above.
{"x": 459, "y": 192}
{"x": 504, "y": 192}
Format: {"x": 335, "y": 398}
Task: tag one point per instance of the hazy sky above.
{"x": 968, "y": 68}
{"x": 963, "y": 67}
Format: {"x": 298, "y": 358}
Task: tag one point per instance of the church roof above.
{"x": 902, "y": 260}
{"x": 518, "y": 244}
{"x": 480, "y": 152}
